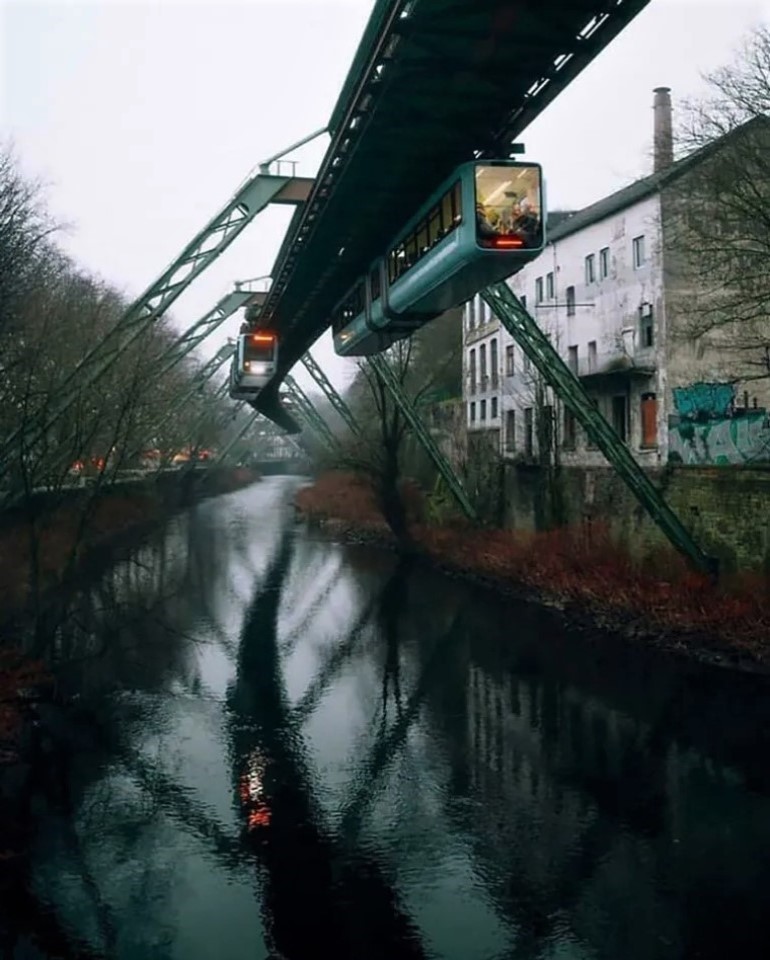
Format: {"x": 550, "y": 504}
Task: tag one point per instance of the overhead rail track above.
{"x": 433, "y": 84}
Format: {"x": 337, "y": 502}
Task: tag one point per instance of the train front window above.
{"x": 509, "y": 206}
{"x": 259, "y": 348}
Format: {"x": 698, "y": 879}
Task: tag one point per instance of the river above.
{"x": 281, "y": 747}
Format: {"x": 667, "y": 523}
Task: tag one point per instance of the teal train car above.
{"x": 483, "y": 224}
{"x": 253, "y": 365}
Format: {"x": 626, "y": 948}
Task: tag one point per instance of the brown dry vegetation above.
{"x": 580, "y": 569}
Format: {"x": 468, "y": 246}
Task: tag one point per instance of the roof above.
{"x": 645, "y": 187}
{"x": 433, "y": 83}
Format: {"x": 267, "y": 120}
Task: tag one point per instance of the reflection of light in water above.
{"x": 252, "y": 792}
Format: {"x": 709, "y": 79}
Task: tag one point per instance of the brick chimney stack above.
{"x": 664, "y": 138}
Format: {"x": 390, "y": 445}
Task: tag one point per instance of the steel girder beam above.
{"x": 330, "y": 393}
{"x": 246, "y": 427}
{"x": 408, "y": 409}
{"x": 310, "y": 415}
{"x": 202, "y": 377}
{"x": 255, "y": 194}
{"x": 536, "y": 345}
{"x": 197, "y": 333}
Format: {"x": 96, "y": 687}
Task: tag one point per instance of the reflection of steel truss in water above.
{"x": 343, "y": 895}
{"x": 346, "y": 904}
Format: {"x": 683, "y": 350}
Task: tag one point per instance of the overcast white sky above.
{"x": 144, "y": 118}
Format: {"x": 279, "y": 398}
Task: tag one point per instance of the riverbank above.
{"x": 580, "y": 572}
{"x": 66, "y": 541}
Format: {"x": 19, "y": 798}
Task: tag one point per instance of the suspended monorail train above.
{"x": 483, "y": 224}
{"x": 254, "y": 363}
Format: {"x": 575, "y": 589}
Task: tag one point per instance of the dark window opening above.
{"x": 649, "y": 410}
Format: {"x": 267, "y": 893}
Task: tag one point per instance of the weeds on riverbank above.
{"x": 581, "y": 566}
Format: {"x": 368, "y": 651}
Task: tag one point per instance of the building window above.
{"x": 604, "y": 263}
{"x": 483, "y": 366}
{"x": 523, "y": 301}
{"x": 592, "y": 360}
{"x": 570, "y": 301}
{"x": 510, "y": 368}
{"x": 472, "y": 369}
{"x": 473, "y": 412}
{"x": 649, "y": 409}
{"x": 471, "y": 313}
{"x": 590, "y": 268}
{"x": 549, "y": 288}
{"x": 620, "y": 417}
{"x": 637, "y": 245}
{"x": 493, "y": 368}
{"x": 527, "y": 364}
{"x": 646, "y": 329}
{"x": 510, "y": 430}
{"x": 570, "y": 430}
{"x": 539, "y": 290}
{"x": 528, "y": 431}
{"x": 483, "y": 411}
{"x": 493, "y": 409}
{"x": 572, "y": 361}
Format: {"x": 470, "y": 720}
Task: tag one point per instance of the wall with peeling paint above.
{"x": 727, "y": 508}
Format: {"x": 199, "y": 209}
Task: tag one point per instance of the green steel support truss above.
{"x": 536, "y": 345}
{"x": 330, "y": 393}
{"x": 205, "y": 374}
{"x": 256, "y": 193}
{"x": 310, "y": 415}
{"x": 273, "y": 432}
{"x": 381, "y": 367}
{"x": 247, "y": 426}
{"x": 195, "y": 335}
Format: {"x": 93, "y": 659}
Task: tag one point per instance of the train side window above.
{"x": 411, "y": 251}
{"x": 392, "y": 271}
{"x": 434, "y": 226}
{"x": 422, "y": 238}
{"x": 447, "y": 214}
{"x": 457, "y": 204}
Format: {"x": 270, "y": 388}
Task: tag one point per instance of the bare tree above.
{"x": 427, "y": 366}
{"x": 716, "y": 215}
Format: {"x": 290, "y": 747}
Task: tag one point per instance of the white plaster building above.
{"x": 601, "y": 291}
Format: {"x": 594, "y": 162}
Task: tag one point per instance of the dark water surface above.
{"x": 282, "y": 747}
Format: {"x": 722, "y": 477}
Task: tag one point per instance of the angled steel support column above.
{"x": 310, "y": 415}
{"x": 330, "y": 393}
{"x": 205, "y": 373}
{"x": 536, "y": 345}
{"x": 197, "y": 333}
{"x": 381, "y": 367}
{"x": 246, "y": 427}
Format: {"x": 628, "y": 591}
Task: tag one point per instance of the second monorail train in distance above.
{"x": 483, "y": 224}
{"x": 254, "y": 363}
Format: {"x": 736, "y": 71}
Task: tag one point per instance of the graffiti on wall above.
{"x": 741, "y": 439}
{"x": 704, "y": 401}
{"x": 707, "y": 429}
